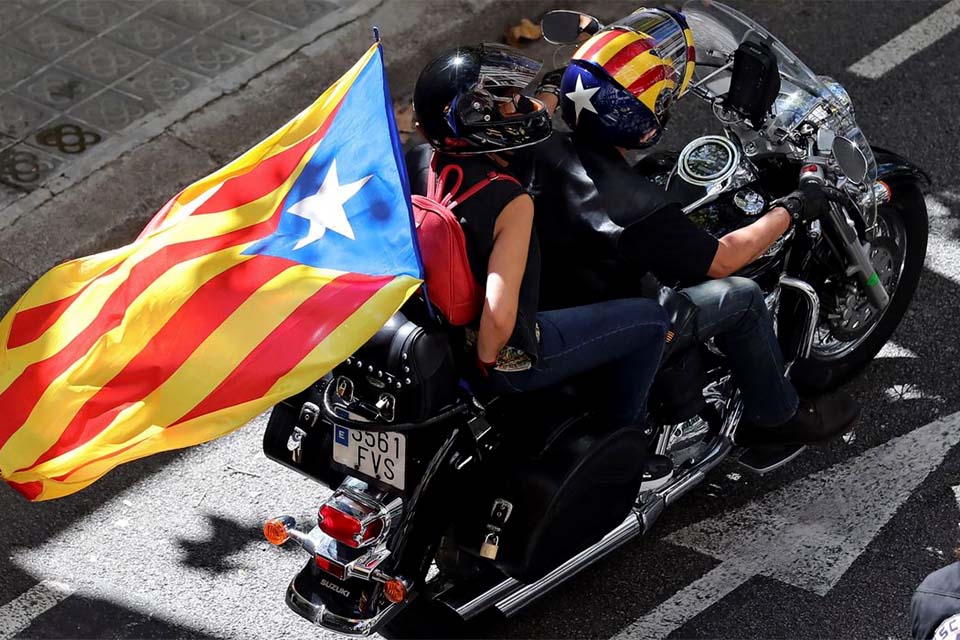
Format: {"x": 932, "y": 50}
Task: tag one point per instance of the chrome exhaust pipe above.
{"x": 626, "y": 531}
{"x": 509, "y": 596}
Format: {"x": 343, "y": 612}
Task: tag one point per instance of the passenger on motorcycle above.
{"x": 601, "y": 226}
{"x": 469, "y": 106}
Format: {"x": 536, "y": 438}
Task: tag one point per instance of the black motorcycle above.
{"x": 445, "y": 506}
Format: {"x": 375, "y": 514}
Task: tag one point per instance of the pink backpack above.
{"x": 449, "y": 280}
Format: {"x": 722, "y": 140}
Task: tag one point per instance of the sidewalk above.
{"x": 109, "y": 107}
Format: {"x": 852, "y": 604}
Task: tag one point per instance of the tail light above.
{"x": 354, "y": 519}
{"x": 332, "y": 567}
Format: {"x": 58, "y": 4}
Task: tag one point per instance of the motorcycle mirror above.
{"x": 850, "y": 158}
{"x": 567, "y": 27}
{"x": 754, "y": 82}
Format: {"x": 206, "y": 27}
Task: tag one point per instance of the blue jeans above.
{"x": 624, "y": 337}
{"x": 733, "y": 313}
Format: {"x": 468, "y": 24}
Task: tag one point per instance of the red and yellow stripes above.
{"x": 630, "y": 58}
{"x": 179, "y": 337}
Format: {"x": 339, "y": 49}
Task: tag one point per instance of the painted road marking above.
{"x": 808, "y": 533}
{"x": 909, "y": 43}
{"x": 19, "y": 613}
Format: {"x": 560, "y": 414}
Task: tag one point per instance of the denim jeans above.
{"x": 733, "y": 313}
{"x": 622, "y": 339}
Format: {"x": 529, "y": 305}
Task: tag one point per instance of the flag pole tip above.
{"x": 376, "y": 34}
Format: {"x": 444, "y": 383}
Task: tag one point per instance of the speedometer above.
{"x": 707, "y": 160}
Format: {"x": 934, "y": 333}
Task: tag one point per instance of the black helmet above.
{"x": 458, "y": 95}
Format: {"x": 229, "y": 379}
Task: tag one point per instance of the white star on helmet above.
{"x": 581, "y": 98}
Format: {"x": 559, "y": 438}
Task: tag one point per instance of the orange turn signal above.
{"x": 275, "y": 531}
{"x": 395, "y": 591}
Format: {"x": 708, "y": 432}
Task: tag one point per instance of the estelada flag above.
{"x": 244, "y": 289}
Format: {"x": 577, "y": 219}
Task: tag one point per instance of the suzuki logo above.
{"x": 329, "y": 585}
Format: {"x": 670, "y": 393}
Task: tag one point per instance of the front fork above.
{"x": 855, "y": 254}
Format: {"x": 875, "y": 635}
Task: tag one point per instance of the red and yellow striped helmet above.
{"x": 649, "y": 54}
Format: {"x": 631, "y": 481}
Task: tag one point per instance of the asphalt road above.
{"x": 170, "y": 546}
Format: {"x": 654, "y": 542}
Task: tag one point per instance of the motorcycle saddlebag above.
{"x": 404, "y": 374}
{"x": 579, "y": 486}
{"x": 310, "y": 450}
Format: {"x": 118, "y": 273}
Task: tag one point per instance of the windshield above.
{"x": 718, "y": 30}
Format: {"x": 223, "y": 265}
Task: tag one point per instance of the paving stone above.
{"x": 94, "y": 16}
{"x": 25, "y": 166}
{"x": 161, "y": 83}
{"x": 46, "y": 38}
{"x": 13, "y": 14}
{"x": 108, "y": 201}
{"x": 15, "y": 66}
{"x": 19, "y": 116}
{"x": 206, "y": 55}
{"x": 8, "y": 195}
{"x": 105, "y": 61}
{"x": 67, "y": 137}
{"x": 193, "y": 14}
{"x": 13, "y": 281}
{"x": 58, "y": 88}
{"x": 250, "y": 31}
{"x": 295, "y": 13}
{"x": 148, "y": 34}
{"x": 112, "y": 110}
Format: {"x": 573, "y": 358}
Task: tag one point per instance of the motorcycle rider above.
{"x": 469, "y": 106}
{"x": 615, "y": 95}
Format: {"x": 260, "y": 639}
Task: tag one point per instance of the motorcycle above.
{"x": 445, "y": 507}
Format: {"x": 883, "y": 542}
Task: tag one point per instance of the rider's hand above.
{"x": 807, "y": 203}
{"x": 550, "y": 86}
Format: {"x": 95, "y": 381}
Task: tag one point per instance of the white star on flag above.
{"x": 324, "y": 210}
{"x": 581, "y": 98}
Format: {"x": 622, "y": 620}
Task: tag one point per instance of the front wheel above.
{"x": 848, "y": 336}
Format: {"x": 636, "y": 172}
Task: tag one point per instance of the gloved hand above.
{"x": 550, "y": 82}
{"x": 807, "y": 203}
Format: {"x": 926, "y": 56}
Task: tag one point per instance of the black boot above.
{"x": 815, "y": 421}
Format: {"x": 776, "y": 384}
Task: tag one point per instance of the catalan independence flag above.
{"x": 243, "y": 290}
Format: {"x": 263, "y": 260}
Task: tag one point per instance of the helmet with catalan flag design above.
{"x": 621, "y": 82}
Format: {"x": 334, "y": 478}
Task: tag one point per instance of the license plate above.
{"x": 378, "y": 454}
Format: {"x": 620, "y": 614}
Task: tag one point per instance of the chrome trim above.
{"x": 813, "y": 312}
{"x": 626, "y": 531}
{"x": 320, "y": 616}
{"x": 510, "y": 595}
{"x": 483, "y": 601}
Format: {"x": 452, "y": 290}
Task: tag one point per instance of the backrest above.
{"x": 450, "y": 282}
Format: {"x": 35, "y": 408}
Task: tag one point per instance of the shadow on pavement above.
{"x": 216, "y": 553}
{"x": 81, "y": 616}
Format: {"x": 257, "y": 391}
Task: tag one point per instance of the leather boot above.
{"x": 816, "y": 421}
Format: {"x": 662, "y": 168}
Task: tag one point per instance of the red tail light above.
{"x": 333, "y": 568}
{"x": 347, "y": 528}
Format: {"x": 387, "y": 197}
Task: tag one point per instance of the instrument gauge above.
{"x": 708, "y": 160}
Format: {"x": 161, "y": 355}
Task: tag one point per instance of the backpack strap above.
{"x": 493, "y": 176}
{"x": 437, "y": 185}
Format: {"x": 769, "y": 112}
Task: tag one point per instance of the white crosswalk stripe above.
{"x": 909, "y": 43}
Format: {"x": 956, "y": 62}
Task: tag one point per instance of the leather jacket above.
{"x": 586, "y": 195}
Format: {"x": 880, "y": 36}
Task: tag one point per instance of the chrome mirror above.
{"x": 568, "y": 27}
{"x": 850, "y": 158}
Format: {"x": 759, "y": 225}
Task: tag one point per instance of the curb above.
{"x": 104, "y": 200}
